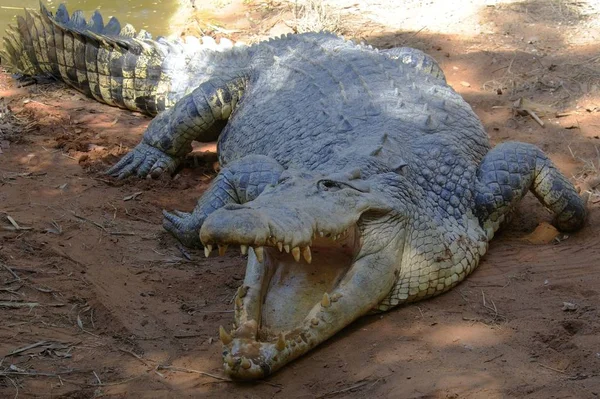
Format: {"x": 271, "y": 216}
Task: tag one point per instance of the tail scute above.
{"x": 112, "y": 63}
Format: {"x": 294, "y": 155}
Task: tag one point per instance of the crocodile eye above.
{"x": 330, "y": 185}
{"x": 334, "y": 185}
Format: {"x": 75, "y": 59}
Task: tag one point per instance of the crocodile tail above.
{"x": 112, "y": 64}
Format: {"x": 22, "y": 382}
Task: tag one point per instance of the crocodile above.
{"x": 354, "y": 179}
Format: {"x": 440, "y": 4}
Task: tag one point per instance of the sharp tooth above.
{"x": 307, "y": 255}
{"x": 314, "y": 321}
{"x": 242, "y": 291}
{"x": 335, "y": 297}
{"x": 296, "y": 254}
{"x": 244, "y": 249}
{"x": 224, "y": 336}
{"x": 280, "y": 246}
{"x": 245, "y": 363}
{"x": 207, "y": 250}
{"x": 280, "y": 345}
{"x": 238, "y": 302}
{"x": 260, "y": 253}
{"x": 321, "y": 234}
{"x": 222, "y": 249}
{"x": 334, "y": 237}
{"x": 326, "y": 301}
{"x": 287, "y": 248}
{"x": 229, "y": 360}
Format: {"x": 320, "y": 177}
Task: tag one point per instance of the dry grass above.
{"x": 565, "y": 80}
{"x": 567, "y": 12}
{"x": 588, "y": 177}
{"x": 315, "y": 16}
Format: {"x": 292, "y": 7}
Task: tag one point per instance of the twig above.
{"x": 97, "y": 378}
{"x": 141, "y": 359}
{"x": 492, "y": 308}
{"x": 11, "y": 271}
{"x": 31, "y": 374}
{"x": 136, "y": 217}
{"x": 353, "y": 387}
{"x": 535, "y": 117}
{"x": 16, "y": 8}
{"x": 26, "y": 348}
{"x": 15, "y": 385}
{"x": 90, "y": 221}
{"x": 12, "y": 290}
{"x": 109, "y": 384}
{"x": 185, "y": 370}
{"x": 214, "y": 311}
{"x": 16, "y": 305}
{"x": 112, "y": 233}
{"x": 494, "y": 358}
{"x": 552, "y": 368}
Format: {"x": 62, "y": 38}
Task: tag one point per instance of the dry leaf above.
{"x": 132, "y": 196}
{"x": 545, "y": 233}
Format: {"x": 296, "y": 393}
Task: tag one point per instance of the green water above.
{"x": 151, "y": 15}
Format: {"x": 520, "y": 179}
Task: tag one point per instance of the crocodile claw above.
{"x": 144, "y": 160}
{"x": 184, "y": 227}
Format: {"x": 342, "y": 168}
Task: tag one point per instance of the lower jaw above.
{"x": 279, "y": 310}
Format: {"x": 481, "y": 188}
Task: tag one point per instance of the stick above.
{"x": 141, "y": 359}
{"x": 11, "y": 271}
{"x": 494, "y": 358}
{"x": 552, "y": 368}
{"x": 29, "y": 374}
{"x": 16, "y": 305}
{"x": 109, "y": 384}
{"x": 332, "y": 393}
{"x": 97, "y": 378}
{"x": 16, "y": 8}
{"x": 15, "y": 385}
{"x": 26, "y": 348}
{"x": 535, "y": 117}
{"x": 173, "y": 368}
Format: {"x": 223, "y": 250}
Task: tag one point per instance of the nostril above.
{"x": 328, "y": 185}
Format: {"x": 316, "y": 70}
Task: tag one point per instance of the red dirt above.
{"x": 123, "y": 311}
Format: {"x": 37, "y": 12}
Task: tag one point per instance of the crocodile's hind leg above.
{"x": 505, "y": 175}
{"x": 169, "y": 136}
{"x": 239, "y": 182}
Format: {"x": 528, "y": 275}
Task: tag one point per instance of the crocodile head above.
{"x": 323, "y": 250}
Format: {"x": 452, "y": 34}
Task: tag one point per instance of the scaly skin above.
{"x": 113, "y": 64}
{"x": 356, "y": 181}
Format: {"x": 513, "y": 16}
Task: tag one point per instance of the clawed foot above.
{"x": 144, "y": 160}
{"x": 184, "y": 227}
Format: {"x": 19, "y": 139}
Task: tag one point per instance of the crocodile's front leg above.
{"x": 505, "y": 175}
{"x": 169, "y": 136}
{"x": 239, "y": 182}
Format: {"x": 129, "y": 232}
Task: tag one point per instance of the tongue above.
{"x": 295, "y": 288}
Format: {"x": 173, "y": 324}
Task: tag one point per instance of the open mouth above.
{"x": 288, "y": 301}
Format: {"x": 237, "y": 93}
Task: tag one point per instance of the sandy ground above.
{"x": 96, "y": 300}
